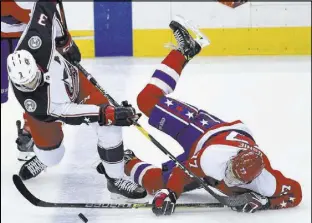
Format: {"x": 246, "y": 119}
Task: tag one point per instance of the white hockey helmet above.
{"x": 23, "y": 71}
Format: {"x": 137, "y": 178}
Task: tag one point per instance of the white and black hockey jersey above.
{"x": 56, "y": 97}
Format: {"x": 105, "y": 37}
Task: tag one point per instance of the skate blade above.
{"x": 201, "y": 39}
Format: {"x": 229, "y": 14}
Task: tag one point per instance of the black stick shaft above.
{"x": 40, "y": 203}
{"x": 62, "y": 11}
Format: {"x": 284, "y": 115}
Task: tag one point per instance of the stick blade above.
{"x": 20, "y": 186}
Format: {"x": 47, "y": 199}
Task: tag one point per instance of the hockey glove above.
{"x": 137, "y": 115}
{"x": 24, "y": 141}
{"x": 256, "y": 202}
{"x": 164, "y": 202}
{"x": 119, "y": 116}
{"x": 68, "y": 48}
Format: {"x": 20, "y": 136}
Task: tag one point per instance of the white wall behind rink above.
{"x": 79, "y": 15}
{"x": 157, "y": 15}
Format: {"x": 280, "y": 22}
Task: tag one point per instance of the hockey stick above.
{"x": 40, "y": 203}
{"x": 62, "y": 11}
{"x": 232, "y": 201}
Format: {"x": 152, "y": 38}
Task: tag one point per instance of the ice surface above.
{"x": 272, "y": 95}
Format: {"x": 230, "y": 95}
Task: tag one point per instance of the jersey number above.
{"x": 42, "y": 19}
{"x": 193, "y": 162}
{"x": 285, "y": 189}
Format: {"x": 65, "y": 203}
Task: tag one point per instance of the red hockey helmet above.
{"x": 244, "y": 167}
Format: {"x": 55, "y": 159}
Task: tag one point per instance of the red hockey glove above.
{"x": 164, "y": 202}
{"x": 256, "y": 202}
{"x": 119, "y": 116}
{"x": 68, "y": 48}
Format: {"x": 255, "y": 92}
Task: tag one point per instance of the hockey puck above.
{"x": 83, "y": 218}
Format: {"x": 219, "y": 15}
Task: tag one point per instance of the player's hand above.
{"x": 137, "y": 115}
{"x": 256, "y": 202}
{"x": 119, "y": 116}
{"x": 164, "y": 202}
{"x": 24, "y": 140}
{"x": 68, "y": 48}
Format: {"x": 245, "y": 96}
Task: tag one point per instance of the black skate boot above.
{"x": 126, "y": 188}
{"x": 187, "y": 45}
{"x": 121, "y": 186}
{"x": 31, "y": 168}
{"x": 25, "y": 143}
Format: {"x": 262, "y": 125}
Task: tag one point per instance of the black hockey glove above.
{"x": 164, "y": 202}
{"x": 137, "y": 115}
{"x": 256, "y": 202}
{"x": 68, "y": 48}
{"x": 24, "y": 140}
{"x": 119, "y": 116}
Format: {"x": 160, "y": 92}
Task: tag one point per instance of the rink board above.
{"x": 232, "y": 41}
{"x": 224, "y": 42}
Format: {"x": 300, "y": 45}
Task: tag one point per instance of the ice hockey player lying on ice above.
{"x": 225, "y": 154}
{"x": 52, "y": 91}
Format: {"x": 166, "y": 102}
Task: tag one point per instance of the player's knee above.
{"x": 141, "y": 101}
{"x": 109, "y": 136}
{"x": 51, "y": 156}
{"x": 148, "y": 98}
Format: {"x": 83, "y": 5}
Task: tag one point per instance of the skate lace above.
{"x": 180, "y": 39}
{"x": 126, "y": 185}
{"x": 35, "y": 167}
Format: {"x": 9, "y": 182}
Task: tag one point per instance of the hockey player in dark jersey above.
{"x": 52, "y": 91}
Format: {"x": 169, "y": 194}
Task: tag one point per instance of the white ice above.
{"x": 272, "y": 95}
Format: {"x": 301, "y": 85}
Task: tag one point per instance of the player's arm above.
{"x": 64, "y": 42}
{"x": 76, "y": 114}
{"x": 165, "y": 199}
{"x": 287, "y": 191}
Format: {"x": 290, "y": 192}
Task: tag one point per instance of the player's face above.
{"x": 230, "y": 179}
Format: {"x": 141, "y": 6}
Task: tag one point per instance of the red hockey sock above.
{"x": 175, "y": 60}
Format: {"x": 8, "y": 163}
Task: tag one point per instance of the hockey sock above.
{"x": 144, "y": 174}
{"x": 168, "y": 72}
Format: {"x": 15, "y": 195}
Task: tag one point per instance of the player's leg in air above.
{"x": 163, "y": 82}
{"x": 223, "y": 153}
